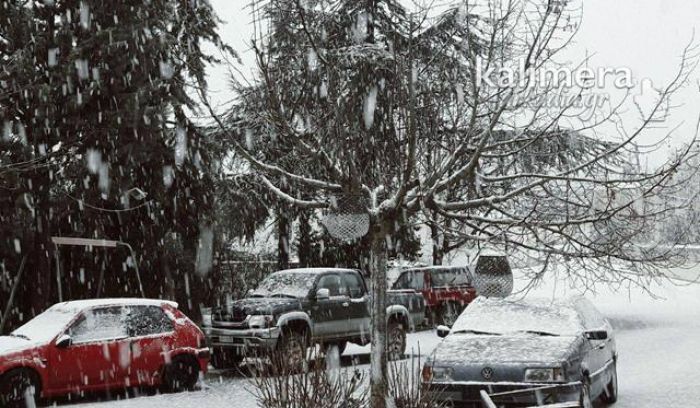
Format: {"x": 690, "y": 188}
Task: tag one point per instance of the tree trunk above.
{"x": 377, "y": 269}
{"x": 43, "y": 246}
{"x": 438, "y": 247}
{"x": 282, "y": 240}
{"x": 169, "y": 285}
{"x": 304, "y": 239}
{"x": 445, "y": 247}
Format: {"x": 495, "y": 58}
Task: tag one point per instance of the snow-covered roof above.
{"x": 90, "y": 303}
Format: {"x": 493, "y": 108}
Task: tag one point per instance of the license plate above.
{"x": 226, "y": 339}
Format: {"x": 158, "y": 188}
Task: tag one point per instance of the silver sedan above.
{"x": 525, "y": 353}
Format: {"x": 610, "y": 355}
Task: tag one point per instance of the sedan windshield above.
{"x": 511, "y": 317}
{"x": 286, "y": 284}
{"x": 44, "y": 327}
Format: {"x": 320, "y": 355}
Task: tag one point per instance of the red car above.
{"x": 449, "y": 289}
{"x": 446, "y": 289}
{"x": 98, "y": 345}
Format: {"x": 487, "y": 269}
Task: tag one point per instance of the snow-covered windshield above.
{"x": 286, "y": 284}
{"x": 503, "y": 316}
{"x": 44, "y": 327}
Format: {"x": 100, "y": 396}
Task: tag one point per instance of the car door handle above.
{"x": 346, "y": 304}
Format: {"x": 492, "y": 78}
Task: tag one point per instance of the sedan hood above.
{"x": 465, "y": 349}
{"x": 9, "y": 345}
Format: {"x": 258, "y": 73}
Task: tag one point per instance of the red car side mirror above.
{"x": 64, "y": 341}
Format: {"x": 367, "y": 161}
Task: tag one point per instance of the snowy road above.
{"x": 658, "y": 341}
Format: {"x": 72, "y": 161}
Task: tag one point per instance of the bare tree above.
{"x": 450, "y": 115}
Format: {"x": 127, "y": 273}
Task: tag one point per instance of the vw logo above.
{"x": 487, "y": 373}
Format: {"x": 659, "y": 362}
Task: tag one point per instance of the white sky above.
{"x": 646, "y": 36}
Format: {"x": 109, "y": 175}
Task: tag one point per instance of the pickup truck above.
{"x": 294, "y": 309}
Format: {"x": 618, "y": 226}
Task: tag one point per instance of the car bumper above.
{"x": 467, "y": 394}
{"x": 243, "y": 341}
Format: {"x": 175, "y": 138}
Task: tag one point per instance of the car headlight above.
{"x": 544, "y": 375}
{"x": 261, "y": 321}
{"x": 437, "y": 373}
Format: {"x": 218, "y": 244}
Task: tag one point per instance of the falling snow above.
{"x": 185, "y": 150}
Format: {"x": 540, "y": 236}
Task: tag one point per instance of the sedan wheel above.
{"x": 18, "y": 389}
{"x": 396, "y": 341}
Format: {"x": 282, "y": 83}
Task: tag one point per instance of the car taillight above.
{"x": 427, "y": 373}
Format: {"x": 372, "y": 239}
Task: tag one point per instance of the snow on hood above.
{"x": 9, "y": 344}
{"x": 509, "y": 315}
{"x": 291, "y": 282}
{"x": 254, "y": 305}
{"x": 46, "y": 326}
{"x": 465, "y": 349}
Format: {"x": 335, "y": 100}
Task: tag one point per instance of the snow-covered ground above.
{"x": 658, "y": 341}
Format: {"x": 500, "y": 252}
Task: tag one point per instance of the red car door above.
{"x": 151, "y": 335}
{"x": 92, "y": 360}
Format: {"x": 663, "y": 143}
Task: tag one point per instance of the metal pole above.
{"x": 6, "y": 314}
{"x": 136, "y": 267}
{"x": 59, "y": 288}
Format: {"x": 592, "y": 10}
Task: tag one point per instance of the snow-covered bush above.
{"x": 323, "y": 383}
{"x": 279, "y": 384}
{"x": 406, "y": 388}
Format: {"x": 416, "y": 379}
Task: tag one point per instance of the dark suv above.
{"x": 296, "y": 308}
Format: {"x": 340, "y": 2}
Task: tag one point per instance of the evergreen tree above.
{"x": 100, "y": 91}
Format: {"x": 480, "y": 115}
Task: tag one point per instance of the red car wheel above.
{"x": 18, "y": 388}
{"x": 181, "y": 374}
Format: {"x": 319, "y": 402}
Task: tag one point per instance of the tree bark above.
{"x": 43, "y": 247}
{"x": 377, "y": 269}
{"x": 435, "y": 236}
{"x": 282, "y": 240}
{"x": 304, "y": 239}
